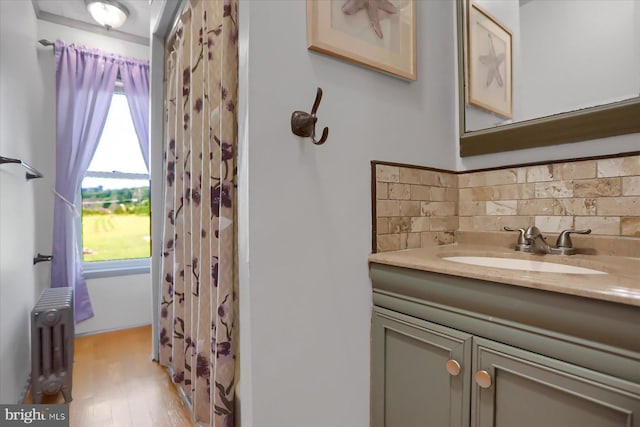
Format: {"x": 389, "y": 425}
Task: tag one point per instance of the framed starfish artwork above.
{"x": 489, "y": 76}
{"x": 380, "y": 34}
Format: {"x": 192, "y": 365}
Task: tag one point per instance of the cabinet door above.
{"x": 530, "y": 390}
{"x": 411, "y": 386}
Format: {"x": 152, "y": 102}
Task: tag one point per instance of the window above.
{"x": 115, "y": 199}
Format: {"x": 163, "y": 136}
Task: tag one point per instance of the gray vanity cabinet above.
{"x": 523, "y": 357}
{"x": 496, "y": 385}
{"x": 410, "y": 383}
{"x": 526, "y": 389}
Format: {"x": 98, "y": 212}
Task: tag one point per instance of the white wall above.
{"x": 20, "y": 137}
{"x": 118, "y": 302}
{"x": 51, "y": 31}
{"x": 305, "y": 210}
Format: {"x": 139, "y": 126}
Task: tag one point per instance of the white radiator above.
{"x": 52, "y": 334}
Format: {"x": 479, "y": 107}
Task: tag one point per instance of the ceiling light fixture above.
{"x": 108, "y": 13}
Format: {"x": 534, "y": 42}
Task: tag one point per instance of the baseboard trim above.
{"x": 120, "y": 328}
{"x": 25, "y": 391}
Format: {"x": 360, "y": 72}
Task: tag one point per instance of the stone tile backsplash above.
{"x": 414, "y": 207}
{"x": 417, "y": 207}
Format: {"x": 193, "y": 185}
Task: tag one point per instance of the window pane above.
{"x": 115, "y": 220}
{"x": 118, "y": 149}
{"x": 115, "y": 211}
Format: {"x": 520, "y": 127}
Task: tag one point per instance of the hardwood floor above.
{"x": 115, "y": 384}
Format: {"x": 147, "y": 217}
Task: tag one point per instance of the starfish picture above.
{"x": 493, "y": 61}
{"x": 490, "y": 72}
{"x": 373, "y": 7}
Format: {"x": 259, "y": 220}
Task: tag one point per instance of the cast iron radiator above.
{"x": 52, "y": 334}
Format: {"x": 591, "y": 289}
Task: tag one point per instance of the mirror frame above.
{"x": 613, "y": 119}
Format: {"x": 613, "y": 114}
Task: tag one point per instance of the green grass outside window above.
{"x": 109, "y": 237}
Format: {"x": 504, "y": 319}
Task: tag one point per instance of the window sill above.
{"x": 127, "y": 267}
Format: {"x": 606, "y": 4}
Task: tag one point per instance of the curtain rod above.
{"x": 47, "y": 43}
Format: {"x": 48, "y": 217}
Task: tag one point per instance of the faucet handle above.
{"x": 521, "y": 239}
{"x": 564, "y": 239}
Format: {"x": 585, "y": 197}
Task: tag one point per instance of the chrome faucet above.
{"x": 538, "y": 244}
{"x": 531, "y": 240}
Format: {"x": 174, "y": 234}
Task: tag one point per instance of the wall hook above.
{"x": 304, "y": 124}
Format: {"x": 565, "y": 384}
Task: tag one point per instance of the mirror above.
{"x": 539, "y": 72}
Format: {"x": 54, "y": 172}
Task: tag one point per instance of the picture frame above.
{"x": 489, "y": 61}
{"x": 342, "y": 28}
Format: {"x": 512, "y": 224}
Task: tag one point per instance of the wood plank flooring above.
{"x": 116, "y": 384}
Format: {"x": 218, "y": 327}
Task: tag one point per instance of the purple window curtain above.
{"x": 135, "y": 77}
{"x": 85, "y": 80}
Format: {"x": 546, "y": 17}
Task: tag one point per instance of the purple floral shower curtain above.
{"x": 85, "y": 81}
{"x": 197, "y": 317}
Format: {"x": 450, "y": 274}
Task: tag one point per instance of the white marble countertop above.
{"x": 621, "y": 284}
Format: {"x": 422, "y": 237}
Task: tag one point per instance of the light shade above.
{"x": 108, "y": 13}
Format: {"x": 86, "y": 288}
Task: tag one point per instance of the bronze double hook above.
{"x": 304, "y": 124}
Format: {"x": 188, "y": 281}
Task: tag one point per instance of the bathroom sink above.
{"x": 522, "y": 264}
